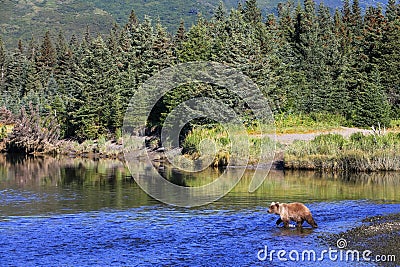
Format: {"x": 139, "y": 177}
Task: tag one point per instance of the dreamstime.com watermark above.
{"x": 340, "y": 254}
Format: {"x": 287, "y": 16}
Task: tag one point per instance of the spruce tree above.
{"x": 392, "y": 10}
{"x": 346, "y": 11}
{"x": 133, "y": 22}
{"x": 46, "y": 61}
{"x": 369, "y": 103}
{"x": 285, "y": 19}
{"x": 32, "y": 51}
{"x": 356, "y": 17}
{"x": 73, "y": 43}
{"x": 15, "y": 80}
{"x": 181, "y": 33}
{"x": 389, "y": 64}
{"x": 112, "y": 40}
{"x": 197, "y": 46}
{"x": 178, "y": 39}
{"x": 162, "y": 49}
{"x": 97, "y": 77}
{"x": 252, "y": 13}
{"x": 61, "y": 46}
{"x": 47, "y": 53}
{"x": 220, "y": 12}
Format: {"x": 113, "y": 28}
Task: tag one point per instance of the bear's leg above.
{"x": 278, "y": 222}
{"x": 286, "y": 223}
{"x": 300, "y": 223}
{"x": 311, "y": 221}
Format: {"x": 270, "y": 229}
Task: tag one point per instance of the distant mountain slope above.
{"x": 22, "y": 19}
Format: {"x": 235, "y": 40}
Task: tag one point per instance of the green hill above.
{"x": 22, "y": 19}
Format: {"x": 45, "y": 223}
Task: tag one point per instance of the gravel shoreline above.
{"x": 379, "y": 234}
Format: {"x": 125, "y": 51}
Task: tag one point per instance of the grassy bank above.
{"x": 213, "y": 144}
{"x": 100, "y": 148}
{"x": 306, "y": 123}
{"x": 285, "y": 123}
{"x": 227, "y": 150}
{"x": 363, "y": 153}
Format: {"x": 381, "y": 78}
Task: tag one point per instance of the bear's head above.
{"x": 274, "y": 208}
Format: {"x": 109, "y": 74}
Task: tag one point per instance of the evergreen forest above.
{"x": 306, "y": 60}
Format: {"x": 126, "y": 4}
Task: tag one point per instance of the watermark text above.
{"x": 330, "y": 254}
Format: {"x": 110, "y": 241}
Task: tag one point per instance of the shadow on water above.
{"x": 293, "y": 231}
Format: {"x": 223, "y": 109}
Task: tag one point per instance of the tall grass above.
{"x": 297, "y": 123}
{"x": 101, "y": 148}
{"x": 227, "y": 149}
{"x": 363, "y": 153}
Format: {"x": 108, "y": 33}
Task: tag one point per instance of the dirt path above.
{"x": 287, "y": 139}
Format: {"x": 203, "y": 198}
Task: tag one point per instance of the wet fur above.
{"x": 296, "y": 212}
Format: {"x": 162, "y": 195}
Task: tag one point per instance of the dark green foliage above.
{"x": 220, "y": 12}
{"x": 47, "y": 53}
{"x": 198, "y": 45}
{"x": 305, "y": 60}
{"x": 369, "y": 103}
{"x": 389, "y": 62}
{"x": 252, "y": 13}
{"x": 392, "y": 10}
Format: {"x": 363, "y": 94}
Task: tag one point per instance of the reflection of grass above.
{"x": 292, "y": 186}
{"x": 238, "y": 149}
{"x": 334, "y": 152}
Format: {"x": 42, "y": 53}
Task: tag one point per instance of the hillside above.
{"x": 20, "y": 19}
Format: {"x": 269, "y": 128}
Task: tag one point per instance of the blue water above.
{"x": 91, "y": 213}
{"x": 159, "y": 235}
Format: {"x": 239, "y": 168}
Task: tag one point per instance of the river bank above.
{"x": 357, "y": 153}
{"x": 341, "y": 149}
{"x": 379, "y": 234}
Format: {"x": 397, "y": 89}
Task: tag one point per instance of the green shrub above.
{"x": 395, "y": 124}
{"x": 357, "y": 153}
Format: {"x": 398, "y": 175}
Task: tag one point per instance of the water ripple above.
{"x": 157, "y": 235}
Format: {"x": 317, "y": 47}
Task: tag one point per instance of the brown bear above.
{"x": 292, "y": 212}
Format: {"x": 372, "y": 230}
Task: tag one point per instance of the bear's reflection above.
{"x": 292, "y": 231}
